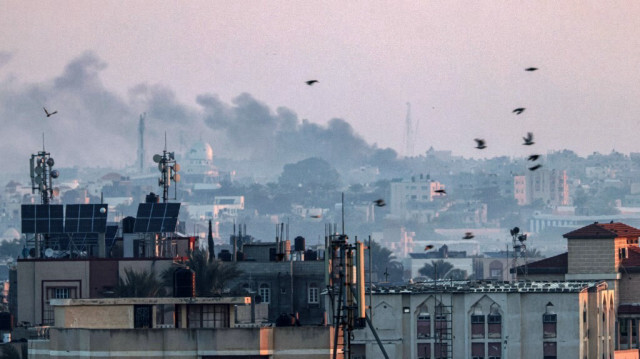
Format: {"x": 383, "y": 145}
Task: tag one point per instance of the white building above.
{"x": 491, "y": 320}
{"x": 410, "y": 199}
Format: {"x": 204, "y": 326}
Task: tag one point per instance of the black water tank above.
{"x": 310, "y": 255}
{"x": 127, "y": 224}
{"x": 152, "y": 198}
{"x": 6, "y": 321}
{"x": 184, "y": 283}
{"x": 298, "y": 244}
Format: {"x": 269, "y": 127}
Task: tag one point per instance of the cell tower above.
{"x": 141, "y": 154}
{"x": 519, "y": 251}
{"x": 169, "y": 169}
{"x": 42, "y": 175}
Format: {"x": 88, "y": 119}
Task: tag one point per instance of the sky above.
{"x": 460, "y": 65}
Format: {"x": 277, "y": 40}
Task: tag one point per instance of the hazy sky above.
{"x": 460, "y": 64}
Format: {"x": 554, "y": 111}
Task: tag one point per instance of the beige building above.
{"x": 549, "y": 186}
{"x": 607, "y": 252}
{"x": 410, "y": 199}
{"x": 491, "y": 320}
{"x": 171, "y": 328}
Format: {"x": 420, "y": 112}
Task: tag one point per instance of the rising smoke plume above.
{"x": 95, "y": 126}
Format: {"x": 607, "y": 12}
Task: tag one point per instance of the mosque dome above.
{"x": 200, "y": 151}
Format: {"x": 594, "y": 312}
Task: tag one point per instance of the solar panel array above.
{"x": 156, "y": 217}
{"x": 42, "y": 218}
{"x": 85, "y": 218}
{"x": 82, "y": 241}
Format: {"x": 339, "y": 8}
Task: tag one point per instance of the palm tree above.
{"x": 212, "y": 276}
{"x": 381, "y": 259}
{"x": 139, "y": 284}
{"x": 442, "y": 270}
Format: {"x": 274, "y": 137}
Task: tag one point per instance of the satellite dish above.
{"x": 103, "y": 210}
{"x": 176, "y": 167}
{"x": 55, "y": 174}
{"x": 157, "y": 158}
{"x": 38, "y": 179}
{"x": 38, "y": 170}
{"x": 176, "y": 177}
{"x": 51, "y": 162}
{"x": 43, "y": 187}
{"x": 48, "y": 252}
{"x": 161, "y": 167}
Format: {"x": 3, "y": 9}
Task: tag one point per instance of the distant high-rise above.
{"x": 141, "y": 154}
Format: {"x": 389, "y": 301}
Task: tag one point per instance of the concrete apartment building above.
{"x": 491, "y": 320}
{"x": 409, "y": 198}
{"x": 607, "y": 252}
{"x": 197, "y": 328}
{"x": 549, "y": 186}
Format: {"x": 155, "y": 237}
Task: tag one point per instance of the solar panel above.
{"x": 42, "y": 218}
{"x": 156, "y": 217}
{"x": 86, "y": 218}
{"x": 110, "y": 235}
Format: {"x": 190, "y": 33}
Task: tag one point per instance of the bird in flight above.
{"x": 49, "y": 114}
{"x": 429, "y": 246}
{"x": 468, "y": 235}
{"x": 535, "y": 167}
{"x": 316, "y": 216}
{"x": 311, "y": 82}
{"x": 533, "y": 157}
{"x": 480, "y": 143}
{"x": 441, "y": 191}
{"x": 531, "y": 69}
{"x": 518, "y": 110}
{"x": 528, "y": 141}
{"x": 380, "y": 202}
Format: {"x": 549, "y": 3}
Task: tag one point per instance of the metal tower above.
{"x": 169, "y": 171}
{"x": 141, "y": 154}
{"x": 519, "y": 251}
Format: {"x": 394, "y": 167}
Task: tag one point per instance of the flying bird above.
{"x": 380, "y": 202}
{"x": 429, "y": 246}
{"x": 316, "y": 216}
{"x": 533, "y": 157}
{"x": 468, "y": 235}
{"x": 311, "y": 82}
{"x": 49, "y": 114}
{"x": 535, "y": 167}
{"x": 531, "y": 69}
{"x": 441, "y": 191}
{"x": 528, "y": 141}
{"x": 518, "y": 110}
{"x": 480, "y": 143}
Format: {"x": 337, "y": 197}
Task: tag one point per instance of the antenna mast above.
{"x": 141, "y": 154}
{"x": 168, "y": 168}
{"x": 519, "y": 251}
{"x": 409, "y": 137}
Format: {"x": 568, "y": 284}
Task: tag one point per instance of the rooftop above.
{"x": 150, "y": 301}
{"x": 603, "y": 230}
{"x": 490, "y": 286}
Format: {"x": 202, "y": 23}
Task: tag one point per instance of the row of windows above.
{"x": 265, "y": 293}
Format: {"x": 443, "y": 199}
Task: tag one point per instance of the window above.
{"x": 142, "y": 316}
{"x": 424, "y": 326}
{"x": 549, "y": 350}
{"x": 313, "y": 293}
{"x": 265, "y": 293}
{"x": 549, "y": 325}
{"x": 424, "y": 351}
{"x": 495, "y": 325}
{"x": 624, "y": 331}
{"x": 477, "y": 350}
{"x": 55, "y": 293}
{"x": 495, "y": 350}
{"x": 208, "y": 316}
{"x": 477, "y": 326}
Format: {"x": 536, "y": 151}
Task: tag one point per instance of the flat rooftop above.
{"x": 447, "y": 286}
{"x": 150, "y": 301}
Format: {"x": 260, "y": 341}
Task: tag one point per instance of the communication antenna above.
{"x": 519, "y": 251}
{"x": 169, "y": 169}
{"x": 42, "y": 175}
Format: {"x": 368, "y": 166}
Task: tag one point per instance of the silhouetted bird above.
{"x": 316, "y": 216}
{"x": 533, "y": 157}
{"x": 380, "y": 202}
{"x": 441, "y": 191}
{"x": 534, "y": 167}
{"x": 311, "y": 82}
{"x": 49, "y": 114}
{"x": 531, "y": 69}
{"x": 480, "y": 143}
{"x": 519, "y": 110}
{"x": 468, "y": 235}
{"x": 429, "y": 246}
{"x": 528, "y": 141}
